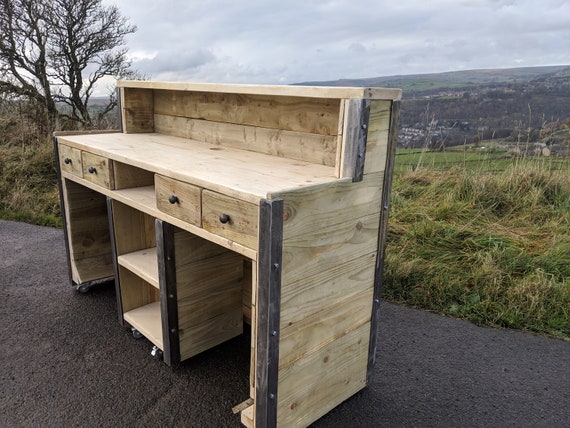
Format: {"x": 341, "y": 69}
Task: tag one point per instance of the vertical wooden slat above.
{"x": 384, "y": 211}
{"x": 168, "y": 299}
{"x": 354, "y": 141}
{"x": 268, "y": 311}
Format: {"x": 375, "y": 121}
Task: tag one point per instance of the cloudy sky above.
{"x": 288, "y": 41}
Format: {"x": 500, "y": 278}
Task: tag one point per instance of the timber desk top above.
{"x": 239, "y": 173}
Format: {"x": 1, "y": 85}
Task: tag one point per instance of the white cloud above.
{"x": 257, "y": 41}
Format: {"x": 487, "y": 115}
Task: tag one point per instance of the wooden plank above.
{"x": 314, "y": 385}
{"x": 313, "y": 115}
{"x": 143, "y": 263}
{"x": 228, "y": 171}
{"x": 179, "y": 199}
{"x": 309, "y": 147}
{"x": 134, "y": 230}
{"x": 210, "y": 333}
{"x": 240, "y": 221}
{"x": 273, "y": 90}
{"x": 209, "y": 282}
{"x": 146, "y": 319}
{"x": 135, "y": 291}
{"x": 127, "y": 176}
{"x": 355, "y": 136}
{"x": 136, "y": 110}
{"x": 311, "y": 294}
{"x": 87, "y": 226}
{"x": 247, "y": 416}
{"x": 143, "y": 199}
{"x": 377, "y": 142}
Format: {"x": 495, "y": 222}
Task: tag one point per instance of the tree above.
{"x": 55, "y": 52}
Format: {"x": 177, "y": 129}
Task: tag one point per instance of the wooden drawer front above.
{"x": 231, "y": 218}
{"x": 179, "y": 199}
{"x": 70, "y": 160}
{"x": 98, "y": 170}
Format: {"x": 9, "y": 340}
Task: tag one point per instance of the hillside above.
{"x": 463, "y": 107}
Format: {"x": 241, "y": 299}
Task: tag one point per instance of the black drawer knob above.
{"x": 67, "y": 161}
{"x": 173, "y": 199}
{"x": 224, "y": 218}
{"x": 92, "y": 170}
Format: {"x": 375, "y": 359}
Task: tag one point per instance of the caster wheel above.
{"x": 83, "y": 288}
{"x": 156, "y": 352}
{"x": 136, "y": 334}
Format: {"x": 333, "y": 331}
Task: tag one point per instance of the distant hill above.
{"x": 462, "y": 107}
{"x": 415, "y": 84}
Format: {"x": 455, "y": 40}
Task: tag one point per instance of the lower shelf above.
{"x": 147, "y": 320}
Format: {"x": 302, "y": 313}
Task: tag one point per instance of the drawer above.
{"x": 231, "y": 218}
{"x": 70, "y": 160}
{"x": 98, "y": 170}
{"x": 178, "y": 199}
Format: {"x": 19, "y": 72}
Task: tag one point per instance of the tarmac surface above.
{"x": 66, "y": 361}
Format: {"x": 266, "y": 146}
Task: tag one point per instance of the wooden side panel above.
{"x": 314, "y": 385}
{"x": 330, "y": 238}
{"x": 128, "y": 176}
{"x": 134, "y": 230}
{"x": 355, "y": 135}
{"x": 313, "y": 115}
{"x": 87, "y": 224}
{"x": 209, "y": 293}
{"x": 378, "y": 131}
{"x": 137, "y": 110}
{"x": 304, "y": 146}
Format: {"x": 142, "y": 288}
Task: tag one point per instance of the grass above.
{"x": 28, "y": 184}
{"x": 489, "y": 247}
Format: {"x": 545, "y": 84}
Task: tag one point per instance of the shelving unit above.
{"x": 222, "y": 204}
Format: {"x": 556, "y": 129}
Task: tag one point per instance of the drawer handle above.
{"x": 67, "y": 161}
{"x": 173, "y": 199}
{"x": 224, "y": 218}
{"x": 92, "y": 170}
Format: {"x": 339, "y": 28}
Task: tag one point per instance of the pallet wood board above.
{"x": 143, "y": 263}
{"x": 146, "y": 319}
{"x": 309, "y": 147}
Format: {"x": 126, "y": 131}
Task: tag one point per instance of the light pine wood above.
{"x": 134, "y": 230}
{"x": 188, "y": 199}
{"x": 378, "y": 131}
{"x": 312, "y": 115}
{"x": 304, "y": 146}
{"x": 143, "y": 263}
{"x": 273, "y": 90}
{"x": 127, "y": 176}
{"x": 88, "y": 232}
{"x": 136, "y": 110}
{"x": 135, "y": 291}
{"x": 102, "y": 175}
{"x": 247, "y": 416}
{"x": 146, "y": 319}
{"x": 243, "y": 218}
{"x": 70, "y": 160}
{"x": 238, "y": 173}
{"x": 144, "y": 199}
{"x": 314, "y": 385}
{"x": 209, "y": 293}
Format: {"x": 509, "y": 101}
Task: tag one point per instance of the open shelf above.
{"x": 147, "y": 320}
{"x": 143, "y": 263}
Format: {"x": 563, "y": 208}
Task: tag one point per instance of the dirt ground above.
{"x": 66, "y": 361}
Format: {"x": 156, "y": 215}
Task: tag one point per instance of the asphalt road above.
{"x": 66, "y": 361}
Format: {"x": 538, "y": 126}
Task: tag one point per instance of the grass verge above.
{"x": 492, "y": 248}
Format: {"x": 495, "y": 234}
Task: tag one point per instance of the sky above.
{"x": 291, "y": 41}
